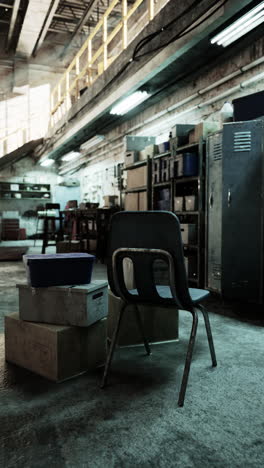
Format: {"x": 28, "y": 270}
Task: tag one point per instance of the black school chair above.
{"x": 144, "y": 237}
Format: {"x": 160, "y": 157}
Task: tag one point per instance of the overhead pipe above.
{"x": 200, "y": 92}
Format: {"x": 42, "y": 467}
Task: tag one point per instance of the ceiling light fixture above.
{"x": 240, "y": 27}
{"x": 70, "y": 156}
{"x": 130, "y": 102}
{"x": 47, "y": 162}
{"x": 92, "y": 142}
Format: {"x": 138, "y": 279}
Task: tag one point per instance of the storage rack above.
{"x": 194, "y": 185}
{"x": 18, "y": 191}
{"x": 143, "y": 188}
{"x": 179, "y": 186}
{"x": 157, "y": 187}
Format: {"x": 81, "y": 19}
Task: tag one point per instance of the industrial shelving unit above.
{"x": 163, "y": 185}
{"x": 16, "y": 190}
{"x": 194, "y": 251}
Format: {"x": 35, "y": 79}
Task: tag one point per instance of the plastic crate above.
{"x": 58, "y": 269}
{"x": 190, "y": 164}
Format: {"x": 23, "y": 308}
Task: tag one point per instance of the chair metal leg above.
{"x": 141, "y": 329}
{"x": 209, "y": 334}
{"x": 112, "y": 346}
{"x": 188, "y": 358}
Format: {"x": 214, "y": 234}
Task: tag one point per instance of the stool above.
{"x": 49, "y": 231}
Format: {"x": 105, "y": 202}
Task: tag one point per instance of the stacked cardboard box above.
{"x": 60, "y": 331}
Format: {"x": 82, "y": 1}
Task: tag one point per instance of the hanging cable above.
{"x": 151, "y": 36}
{"x": 185, "y": 30}
{"x": 147, "y": 39}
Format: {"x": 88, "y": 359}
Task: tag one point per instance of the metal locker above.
{"x": 235, "y": 211}
{"x": 214, "y": 210}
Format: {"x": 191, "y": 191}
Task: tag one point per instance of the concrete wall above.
{"x": 26, "y": 171}
{"x": 92, "y": 177}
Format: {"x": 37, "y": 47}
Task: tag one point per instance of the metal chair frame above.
{"x": 118, "y": 255}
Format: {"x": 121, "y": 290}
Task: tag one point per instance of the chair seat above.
{"x": 164, "y": 291}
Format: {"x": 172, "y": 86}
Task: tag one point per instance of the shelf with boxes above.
{"x": 16, "y": 190}
{"x": 162, "y": 177}
{"x": 138, "y": 163}
{"x": 172, "y": 178}
{"x": 189, "y": 196}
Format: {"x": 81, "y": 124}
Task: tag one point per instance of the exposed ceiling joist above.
{"x": 89, "y": 10}
{"x": 34, "y": 20}
{"x": 46, "y": 25}
{"x": 12, "y": 22}
{"x": 4, "y": 5}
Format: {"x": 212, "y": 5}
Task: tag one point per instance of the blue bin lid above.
{"x": 61, "y": 256}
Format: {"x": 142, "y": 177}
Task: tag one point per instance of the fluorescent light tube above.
{"x": 70, "y": 156}
{"x": 240, "y": 27}
{"x": 47, "y": 162}
{"x": 242, "y": 32}
{"x": 130, "y": 102}
{"x": 92, "y": 142}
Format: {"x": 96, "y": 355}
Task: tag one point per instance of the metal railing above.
{"x": 96, "y": 54}
{"x": 13, "y": 140}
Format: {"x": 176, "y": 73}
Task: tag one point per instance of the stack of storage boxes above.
{"x": 60, "y": 330}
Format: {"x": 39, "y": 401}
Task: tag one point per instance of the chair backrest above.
{"x": 153, "y": 235}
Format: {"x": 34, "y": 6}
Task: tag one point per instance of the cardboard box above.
{"x": 192, "y": 137}
{"x": 160, "y": 323}
{"x": 67, "y": 246}
{"x": 54, "y": 351}
{"x": 164, "y": 147}
{"x": 131, "y": 201}
{"x": 202, "y": 130}
{"x": 137, "y": 201}
{"x": 137, "y": 177}
{"x": 80, "y": 305}
{"x": 188, "y": 233}
{"x": 92, "y": 245}
{"x": 110, "y": 200}
{"x": 142, "y": 201}
{"x": 149, "y": 151}
{"x": 72, "y": 204}
{"x": 181, "y": 133}
{"x": 131, "y": 157}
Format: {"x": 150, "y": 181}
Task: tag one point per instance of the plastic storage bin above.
{"x": 190, "y": 202}
{"x": 58, "y": 269}
{"x": 190, "y": 164}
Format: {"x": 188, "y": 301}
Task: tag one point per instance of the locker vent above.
{"x": 216, "y": 270}
{"x": 217, "y": 150}
{"x": 242, "y": 141}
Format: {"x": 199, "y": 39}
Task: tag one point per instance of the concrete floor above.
{"x": 135, "y": 421}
